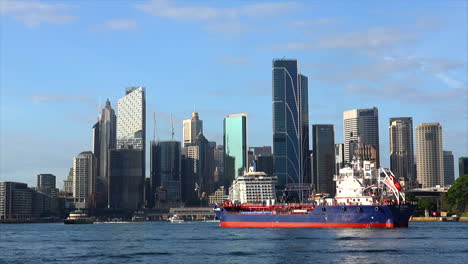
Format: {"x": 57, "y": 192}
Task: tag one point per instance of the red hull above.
{"x": 303, "y": 225}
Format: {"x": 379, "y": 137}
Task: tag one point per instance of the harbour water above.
{"x": 203, "y": 242}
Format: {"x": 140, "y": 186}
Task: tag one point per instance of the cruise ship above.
{"x": 366, "y": 197}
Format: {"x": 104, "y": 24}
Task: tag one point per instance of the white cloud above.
{"x": 371, "y": 39}
{"x": 165, "y": 8}
{"x": 34, "y": 13}
{"x": 314, "y": 22}
{"x": 42, "y": 99}
{"x": 121, "y": 24}
{"x": 225, "y": 20}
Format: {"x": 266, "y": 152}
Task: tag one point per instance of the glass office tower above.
{"x": 235, "y": 147}
{"x": 290, "y": 123}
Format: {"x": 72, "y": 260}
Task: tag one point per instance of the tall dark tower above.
{"x": 290, "y": 123}
{"x": 104, "y": 139}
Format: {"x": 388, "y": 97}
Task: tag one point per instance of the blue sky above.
{"x": 60, "y": 60}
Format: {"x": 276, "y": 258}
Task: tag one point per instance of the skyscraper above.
{"x": 429, "y": 156}
{"x": 198, "y": 170}
{"x": 166, "y": 169}
{"x": 126, "y": 179}
{"x": 235, "y": 147}
{"x": 127, "y": 163}
{"x": 191, "y": 129}
{"x": 401, "y": 149}
{"x": 290, "y": 123}
{"x": 323, "y": 148}
{"x": 449, "y": 170}
{"x": 131, "y": 119}
{"x": 104, "y": 140}
{"x": 339, "y": 157}
{"x": 46, "y": 184}
{"x": 84, "y": 179}
{"x": 361, "y": 126}
{"x": 462, "y": 166}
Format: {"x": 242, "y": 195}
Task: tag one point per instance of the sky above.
{"x": 61, "y": 60}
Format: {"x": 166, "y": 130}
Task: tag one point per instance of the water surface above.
{"x": 197, "y": 242}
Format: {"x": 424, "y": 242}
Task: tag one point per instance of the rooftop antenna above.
{"x": 172, "y": 128}
{"x": 194, "y": 108}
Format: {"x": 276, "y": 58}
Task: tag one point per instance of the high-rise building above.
{"x": 104, "y": 139}
{"x": 290, "y": 123}
{"x": 323, "y": 148}
{"x": 265, "y": 164}
{"x": 68, "y": 183}
{"x": 361, "y": 126}
{"x": 462, "y": 166}
{"x": 449, "y": 169}
{"x": 235, "y": 147}
{"x": 84, "y": 179}
{"x": 429, "y": 155}
{"x": 191, "y": 129}
{"x": 261, "y": 151}
{"x": 15, "y": 201}
{"x": 126, "y": 179}
{"x": 401, "y": 149}
{"x": 127, "y": 164}
{"x": 219, "y": 165}
{"x": 166, "y": 169}
{"x": 131, "y": 119}
{"x": 339, "y": 158}
{"x": 198, "y": 171}
{"x": 46, "y": 184}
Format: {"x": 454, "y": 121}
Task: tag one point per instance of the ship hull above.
{"x": 384, "y": 216}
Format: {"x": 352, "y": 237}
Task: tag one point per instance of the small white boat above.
{"x": 176, "y": 219}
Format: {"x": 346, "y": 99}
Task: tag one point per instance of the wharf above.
{"x": 439, "y": 219}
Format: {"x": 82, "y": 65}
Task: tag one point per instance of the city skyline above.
{"x": 57, "y": 106}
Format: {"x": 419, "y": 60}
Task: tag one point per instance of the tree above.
{"x": 457, "y": 195}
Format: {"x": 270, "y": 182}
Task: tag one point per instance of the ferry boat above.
{"x": 366, "y": 197}
{"x": 79, "y": 217}
{"x": 176, "y": 219}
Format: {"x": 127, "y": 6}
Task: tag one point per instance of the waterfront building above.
{"x": 323, "y": 148}
{"x": 339, "y": 158}
{"x": 429, "y": 155}
{"x": 449, "y": 169}
{"x": 130, "y": 159}
{"x": 253, "y": 187}
{"x": 261, "y": 151}
{"x": 191, "y": 129}
{"x": 265, "y": 164}
{"x": 126, "y": 179}
{"x": 402, "y": 150}
{"x": 165, "y": 158}
{"x": 462, "y": 166}
{"x": 235, "y": 147}
{"x": 290, "y": 123}
{"x": 131, "y": 119}
{"x": 219, "y": 165}
{"x": 15, "y": 201}
{"x": 104, "y": 139}
{"x": 219, "y": 196}
{"x": 68, "y": 183}
{"x": 84, "y": 179}
{"x": 361, "y": 125}
{"x": 198, "y": 171}
{"x": 46, "y": 184}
